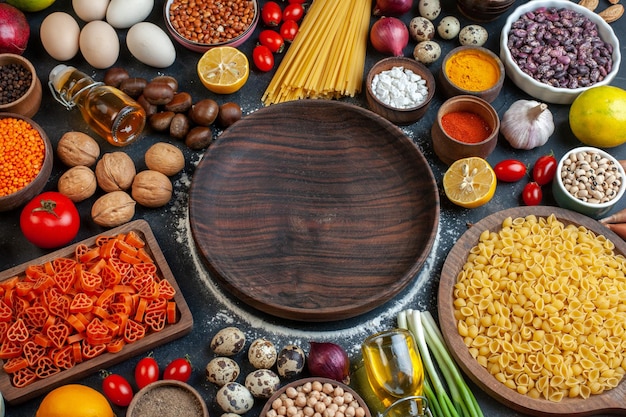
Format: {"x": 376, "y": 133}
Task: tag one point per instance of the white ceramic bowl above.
{"x": 542, "y": 91}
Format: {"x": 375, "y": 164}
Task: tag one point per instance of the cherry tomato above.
{"x": 146, "y": 372}
{"x": 544, "y": 169}
{"x": 289, "y": 30}
{"x": 532, "y": 194}
{"x": 510, "y": 170}
{"x": 297, "y": 1}
{"x": 271, "y": 14}
{"x": 263, "y": 58}
{"x": 293, "y": 12}
{"x": 179, "y": 369}
{"x": 272, "y": 40}
{"x": 50, "y": 220}
{"x": 117, "y": 389}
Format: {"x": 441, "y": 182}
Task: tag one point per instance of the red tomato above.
{"x": 50, "y": 220}
{"x": 544, "y": 169}
{"x": 263, "y": 58}
{"x": 293, "y": 12}
{"x": 271, "y": 14}
{"x": 532, "y": 194}
{"x": 510, "y": 170}
{"x": 289, "y": 30}
{"x": 146, "y": 372}
{"x": 117, "y": 389}
{"x": 272, "y": 40}
{"x": 297, "y": 1}
{"x": 179, "y": 369}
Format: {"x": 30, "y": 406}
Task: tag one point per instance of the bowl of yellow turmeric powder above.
{"x": 25, "y": 162}
{"x": 472, "y": 70}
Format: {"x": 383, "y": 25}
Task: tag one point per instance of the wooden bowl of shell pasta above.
{"x": 532, "y": 305}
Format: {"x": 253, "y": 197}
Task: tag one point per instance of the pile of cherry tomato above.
{"x": 282, "y": 26}
{"x": 512, "y": 170}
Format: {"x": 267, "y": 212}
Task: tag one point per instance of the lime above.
{"x": 597, "y": 116}
{"x": 31, "y": 5}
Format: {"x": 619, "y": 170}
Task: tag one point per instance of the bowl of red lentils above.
{"x": 25, "y": 160}
{"x": 200, "y": 26}
{"x": 20, "y": 89}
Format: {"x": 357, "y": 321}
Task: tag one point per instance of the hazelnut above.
{"x": 165, "y": 158}
{"x": 115, "y": 171}
{"x": 152, "y": 189}
{"x": 78, "y": 183}
{"x": 77, "y": 148}
{"x": 113, "y": 209}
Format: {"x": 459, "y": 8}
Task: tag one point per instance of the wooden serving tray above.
{"x": 611, "y": 401}
{"x": 15, "y": 395}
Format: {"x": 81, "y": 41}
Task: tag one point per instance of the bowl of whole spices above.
{"x": 465, "y": 126}
{"x": 167, "y": 398}
{"x": 200, "y": 26}
{"x": 588, "y": 180}
{"x": 26, "y": 160}
{"x": 20, "y": 89}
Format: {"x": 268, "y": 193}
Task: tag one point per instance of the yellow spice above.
{"x": 472, "y": 70}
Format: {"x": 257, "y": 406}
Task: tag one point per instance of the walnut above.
{"x": 113, "y": 209}
{"x": 77, "y": 148}
{"x": 115, "y": 171}
{"x": 78, "y": 183}
{"x": 152, "y": 188}
{"x": 165, "y": 158}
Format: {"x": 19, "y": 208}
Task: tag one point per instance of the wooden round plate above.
{"x": 314, "y": 210}
{"x": 611, "y": 401}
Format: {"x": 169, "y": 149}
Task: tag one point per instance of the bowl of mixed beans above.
{"x": 200, "y": 26}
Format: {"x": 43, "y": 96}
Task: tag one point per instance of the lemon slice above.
{"x": 223, "y": 69}
{"x": 469, "y": 182}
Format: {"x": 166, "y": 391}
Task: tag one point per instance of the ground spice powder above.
{"x": 22, "y": 151}
{"x": 166, "y": 401}
{"x": 472, "y": 70}
{"x": 465, "y": 126}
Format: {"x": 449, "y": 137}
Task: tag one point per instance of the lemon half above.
{"x": 470, "y": 182}
{"x": 223, "y": 69}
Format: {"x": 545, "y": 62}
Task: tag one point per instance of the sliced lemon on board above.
{"x": 470, "y": 182}
{"x": 223, "y": 69}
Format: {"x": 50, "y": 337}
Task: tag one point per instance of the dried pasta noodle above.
{"x": 327, "y": 57}
{"x": 542, "y": 306}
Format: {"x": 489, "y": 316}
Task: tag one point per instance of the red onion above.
{"x": 389, "y": 35}
{"x": 329, "y": 360}
{"x": 392, "y": 7}
{"x": 14, "y": 30}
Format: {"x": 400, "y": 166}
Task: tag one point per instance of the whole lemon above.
{"x": 31, "y": 5}
{"x": 597, "y": 116}
{"x": 74, "y": 400}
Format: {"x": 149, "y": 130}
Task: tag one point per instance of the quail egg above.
{"x": 474, "y": 35}
{"x": 262, "y": 354}
{"x": 421, "y": 29}
{"x": 448, "y": 27}
{"x": 222, "y": 370}
{"x": 234, "y": 398}
{"x": 430, "y": 9}
{"x": 228, "y": 342}
{"x": 427, "y": 52}
{"x": 262, "y": 383}
{"x": 290, "y": 362}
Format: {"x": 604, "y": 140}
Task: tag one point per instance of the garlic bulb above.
{"x": 527, "y": 124}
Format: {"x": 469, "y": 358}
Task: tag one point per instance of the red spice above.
{"x": 465, "y": 126}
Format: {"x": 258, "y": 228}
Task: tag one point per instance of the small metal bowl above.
{"x": 24, "y": 195}
{"x": 160, "y": 394}
{"x": 203, "y": 47}
{"x": 28, "y": 104}
{"x": 396, "y": 115}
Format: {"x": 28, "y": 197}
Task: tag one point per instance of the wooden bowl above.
{"x": 28, "y": 104}
{"x": 450, "y": 89}
{"x": 24, "y": 195}
{"x": 447, "y": 148}
{"x": 393, "y": 114}
{"x": 167, "y": 398}
{"x": 484, "y": 10}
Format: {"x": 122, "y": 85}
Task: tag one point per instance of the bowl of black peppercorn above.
{"x": 20, "y": 89}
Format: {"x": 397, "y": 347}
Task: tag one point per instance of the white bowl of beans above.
{"x": 588, "y": 180}
{"x": 200, "y": 26}
{"x": 556, "y": 49}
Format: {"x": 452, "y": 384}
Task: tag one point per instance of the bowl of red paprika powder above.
{"x": 20, "y": 89}
{"x": 26, "y": 160}
{"x": 465, "y": 126}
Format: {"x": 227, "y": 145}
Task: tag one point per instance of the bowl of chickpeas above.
{"x": 26, "y": 160}
{"x": 200, "y": 26}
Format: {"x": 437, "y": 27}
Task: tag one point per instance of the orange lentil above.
{"x": 22, "y": 152}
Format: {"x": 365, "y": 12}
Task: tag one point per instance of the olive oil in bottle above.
{"x": 110, "y": 112}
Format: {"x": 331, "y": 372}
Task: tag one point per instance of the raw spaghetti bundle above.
{"x": 327, "y": 57}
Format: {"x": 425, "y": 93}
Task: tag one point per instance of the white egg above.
{"x": 149, "y": 44}
{"x": 88, "y": 10}
{"x": 59, "y": 33}
{"x": 122, "y": 14}
{"x": 99, "y": 44}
